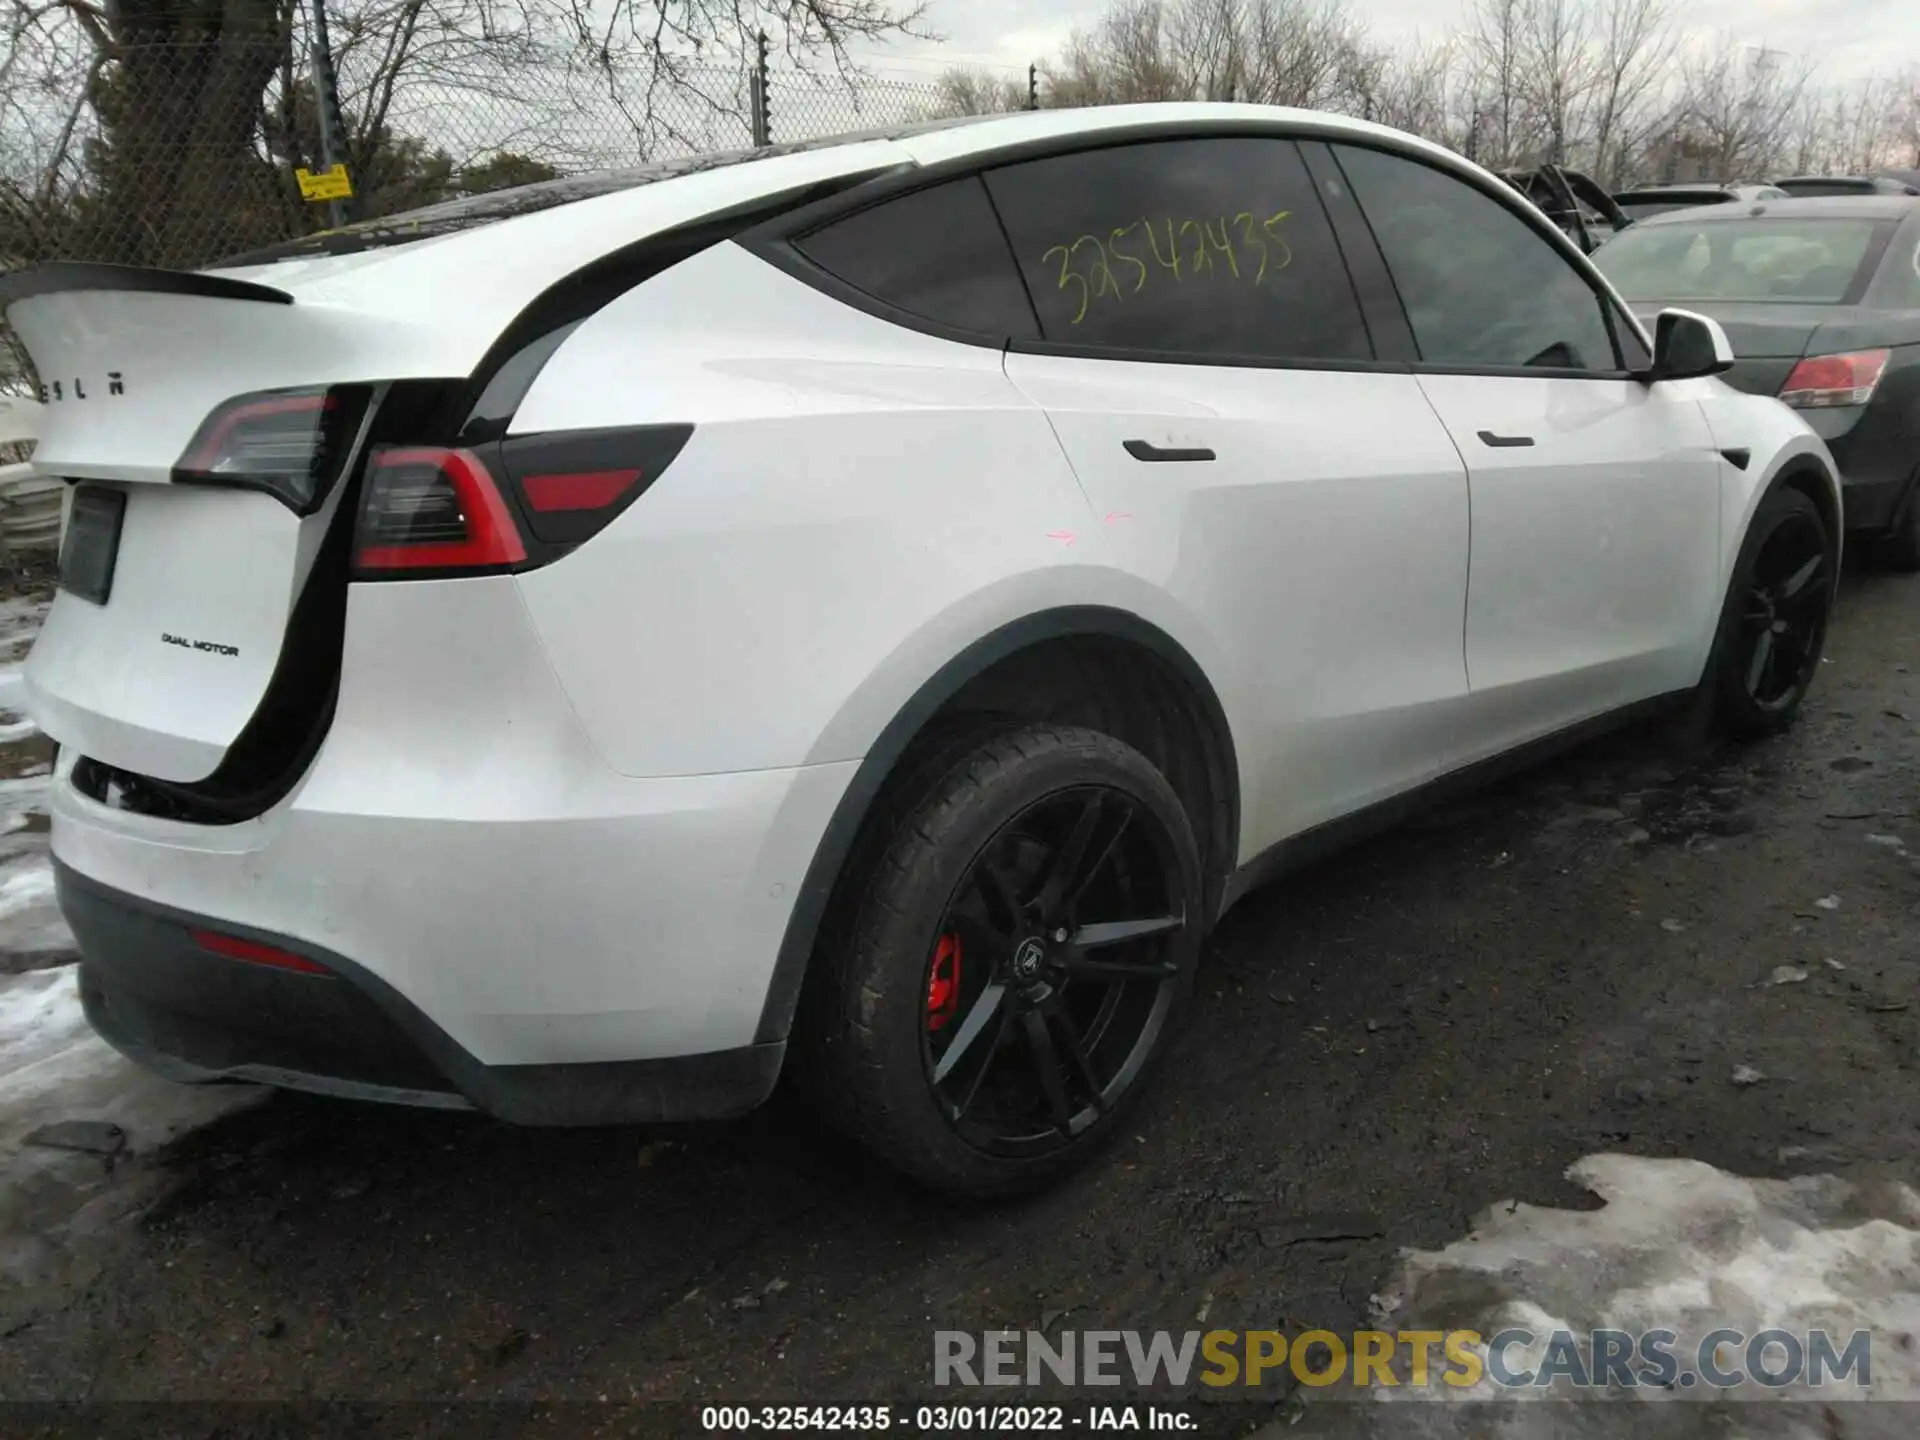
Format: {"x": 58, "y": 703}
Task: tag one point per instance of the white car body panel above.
{"x": 569, "y": 813}
{"x": 468, "y": 865}
{"x": 1595, "y": 547}
{"x": 1344, "y": 691}
{"x": 815, "y": 555}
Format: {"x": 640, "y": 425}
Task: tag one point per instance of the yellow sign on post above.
{"x": 330, "y": 184}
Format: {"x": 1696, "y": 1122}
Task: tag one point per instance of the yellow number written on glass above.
{"x": 1069, "y": 277}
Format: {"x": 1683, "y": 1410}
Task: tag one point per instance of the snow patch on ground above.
{"x": 1682, "y": 1246}
{"x": 20, "y": 619}
{"x": 32, "y": 932}
{"x": 13, "y": 689}
{"x": 30, "y": 920}
{"x": 59, "y": 1207}
{"x": 53, "y": 1067}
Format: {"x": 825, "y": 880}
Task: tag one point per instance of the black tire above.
{"x": 1773, "y": 624}
{"x": 941, "y": 917}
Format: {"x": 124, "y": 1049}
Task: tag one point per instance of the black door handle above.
{"x": 1142, "y": 450}
{"x": 1504, "y": 442}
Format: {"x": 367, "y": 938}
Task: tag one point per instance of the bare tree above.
{"x": 1910, "y": 117}
{"x": 1556, "y": 73}
{"x": 1123, "y": 59}
{"x": 1739, "y": 106}
{"x": 1310, "y": 53}
{"x": 1420, "y": 88}
{"x": 1274, "y": 52}
{"x": 1206, "y": 45}
{"x": 1495, "y": 43}
{"x": 1634, "y": 54}
{"x": 965, "y": 91}
{"x": 1809, "y": 133}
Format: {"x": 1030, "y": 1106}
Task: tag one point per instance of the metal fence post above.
{"x": 757, "y": 93}
{"x": 326, "y": 94}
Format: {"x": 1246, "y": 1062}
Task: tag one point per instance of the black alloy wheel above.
{"x": 1784, "y": 617}
{"x": 1774, "y": 625}
{"x": 1011, "y": 951}
{"x": 1054, "y": 971}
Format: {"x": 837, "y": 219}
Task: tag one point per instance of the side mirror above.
{"x": 1686, "y": 346}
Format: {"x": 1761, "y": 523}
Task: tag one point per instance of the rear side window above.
{"x": 1904, "y": 256}
{"x": 1208, "y": 248}
{"x": 1482, "y": 288}
{"x": 1768, "y": 258}
{"x": 937, "y": 253}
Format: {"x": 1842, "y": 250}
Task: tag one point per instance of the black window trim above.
{"x": 1380, "y": 308}
{"x": 773, "y": 241}
{"x": 1081, "y": 351}
{"x": 1540, "y": 225}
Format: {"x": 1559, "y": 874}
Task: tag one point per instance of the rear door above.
{"x": 1206, "y": 365}
{"x": 1595, "y": 497}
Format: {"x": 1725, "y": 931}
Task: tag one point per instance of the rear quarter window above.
{"x": 1905, "y": 260}
{"x": 937, "y": 253}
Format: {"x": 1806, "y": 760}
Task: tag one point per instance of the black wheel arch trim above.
{"x": 856, "y": 803}
{"x": 1832, "y": 514}
{"x": 1831, "y": 500}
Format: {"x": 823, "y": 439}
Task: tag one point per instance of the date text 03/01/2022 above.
{"x": 943, "y": 1419}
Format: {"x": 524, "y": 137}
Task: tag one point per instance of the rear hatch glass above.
{"x": 1793, "y": 259}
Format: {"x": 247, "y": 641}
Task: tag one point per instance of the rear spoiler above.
{"x": 64, "y": 275}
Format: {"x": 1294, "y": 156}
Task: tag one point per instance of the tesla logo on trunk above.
{"x": 76, "y": 388}
{"x": 211, "y": 647}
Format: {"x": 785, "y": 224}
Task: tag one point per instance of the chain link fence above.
{"x": 178, "y": 155}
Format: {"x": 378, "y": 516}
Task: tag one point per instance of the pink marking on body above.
{"x": 1065, "y": 537}
{"x": 1113, "y": 515}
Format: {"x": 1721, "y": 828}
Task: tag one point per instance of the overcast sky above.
{"x": 1847, "y": 37}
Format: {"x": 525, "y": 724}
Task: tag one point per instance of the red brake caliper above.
{"x": 943, "y": 985}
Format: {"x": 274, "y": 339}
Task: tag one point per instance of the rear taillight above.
{"x": 1820, "y": 381}
{"x": 434, "y": 510}
{"x": 293, "y": 444}
{"x": 510, "y": 505}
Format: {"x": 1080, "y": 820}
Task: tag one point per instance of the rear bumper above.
{"x": 191, "y": 1015}
{"x": 1873, "y": 502}
{"x": 507, "y": 923}
{"x": 1877, "y": 446}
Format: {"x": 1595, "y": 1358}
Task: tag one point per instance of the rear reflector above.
{"x": 585, "y": 490}
{"x": 293, "y": 444}
{"x": 572, "y": 484}
{"x": 254, "y": 953}
{"x": 430, "y": 510}
{"x": 1820, "y": 381}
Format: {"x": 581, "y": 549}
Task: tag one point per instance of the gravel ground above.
{"x": 1575, "y": 963}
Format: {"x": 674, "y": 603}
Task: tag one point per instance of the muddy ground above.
{"x": 1576, "y": 962}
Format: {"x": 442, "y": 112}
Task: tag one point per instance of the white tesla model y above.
{"x": 868, "y": 606}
